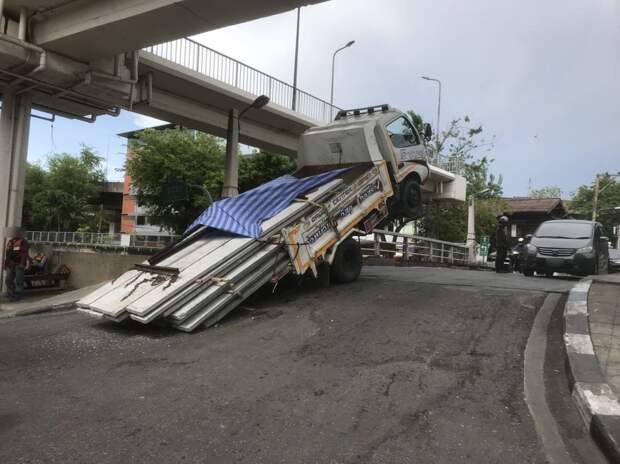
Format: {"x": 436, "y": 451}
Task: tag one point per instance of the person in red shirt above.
{"x": 15, "y": 262}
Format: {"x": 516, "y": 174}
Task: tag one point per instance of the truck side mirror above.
{"x": 428, "y": 132}
{"x": 528, "y": 238}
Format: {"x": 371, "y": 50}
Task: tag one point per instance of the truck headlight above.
{"x": 585, "y": 250}
{"x": 531, "y": 249}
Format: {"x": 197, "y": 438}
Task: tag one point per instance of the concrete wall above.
{"x": 90, "y": 267}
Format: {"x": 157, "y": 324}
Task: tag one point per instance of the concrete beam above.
{"x": 200, "y": 116}
{"x": 88, "y": 29}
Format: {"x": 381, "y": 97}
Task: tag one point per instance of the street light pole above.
{"x": 296, "y": 61}
{"x": 231, "y": 166}
{"x": 331, "y": 99}
{"x": 438, "y": 107}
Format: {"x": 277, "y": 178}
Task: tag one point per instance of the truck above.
{"x": 366, "y": 167}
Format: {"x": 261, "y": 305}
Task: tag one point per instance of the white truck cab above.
{"x": 381, "y": 133}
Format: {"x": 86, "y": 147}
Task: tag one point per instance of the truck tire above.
{"x": 411, "y": 199}
{"x": 347, "y": 263}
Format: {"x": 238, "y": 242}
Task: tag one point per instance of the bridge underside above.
{"x": 88, "y": 29}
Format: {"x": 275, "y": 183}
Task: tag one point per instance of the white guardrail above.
{"x": 414, "y": 248}
{"x": 200, "y": 58}
{"x": 381, "y": 243}
{"x": 100, "y": 240}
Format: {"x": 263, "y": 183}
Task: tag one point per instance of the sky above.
{"x": 541, "y": 77}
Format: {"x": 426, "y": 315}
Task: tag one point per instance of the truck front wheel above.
{"x": 347, "y": 263}
{"x": 411, "y": 199}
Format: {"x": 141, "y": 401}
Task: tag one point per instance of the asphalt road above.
{"x": 407, "y": 365}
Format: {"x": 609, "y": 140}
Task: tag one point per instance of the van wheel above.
{"x": 347, "y": 263}
{"x": 411, "y": 199}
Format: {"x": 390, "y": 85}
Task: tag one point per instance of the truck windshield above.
{"x": 570, "y": 230}
{"x": 401, "y": 133}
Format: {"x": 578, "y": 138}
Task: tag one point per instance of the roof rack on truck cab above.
{"x": 359, "y": 111}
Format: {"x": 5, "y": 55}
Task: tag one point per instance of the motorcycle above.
{"x": 516, "y": 256}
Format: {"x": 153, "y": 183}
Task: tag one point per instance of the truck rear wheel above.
{"x": 411, "y": 199}
{"x": 347, "y": 263}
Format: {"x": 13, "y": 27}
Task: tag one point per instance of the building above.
{"x": 526, "y": 214}
{"x": 134, "y": 217}
{"x": 111, "y": 201}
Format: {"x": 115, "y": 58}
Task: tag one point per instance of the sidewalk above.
{"x": 32, "y": 304}
{"x": 604, "y": 307}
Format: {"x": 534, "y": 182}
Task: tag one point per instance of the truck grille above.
{"x": 556, "y": 251}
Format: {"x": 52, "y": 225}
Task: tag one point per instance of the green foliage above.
{"x": 582, "y": 203}
{"x": 463, "y": 141}
{"x": 36, "y": 182}
{"x": 550, "y": 191}
{"x": 161, "y": 158}
{"x": 64, "y": 196}
{"x": 261, "y": 167}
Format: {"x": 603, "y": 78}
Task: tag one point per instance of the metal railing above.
{"x": 99, "y": 240}
{"x": 415, "y": 248}
{"x": 211, "y": 63}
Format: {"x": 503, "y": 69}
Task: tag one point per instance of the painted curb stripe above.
{"x": 595, "y": 400}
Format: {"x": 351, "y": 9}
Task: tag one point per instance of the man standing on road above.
{"x": 15, "y": 262}
{"x": 501, "y": 244}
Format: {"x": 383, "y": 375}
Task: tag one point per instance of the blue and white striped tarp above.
{"x": 244, "y": 214}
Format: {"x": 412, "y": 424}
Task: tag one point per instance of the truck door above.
{"x": 405, "y": 140}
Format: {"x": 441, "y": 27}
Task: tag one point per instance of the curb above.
{"x": 37, "y": 310}
{"x": 596, "y": 402}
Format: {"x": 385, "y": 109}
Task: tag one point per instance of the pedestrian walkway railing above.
{"x": 216, "y": 65}
{"x": 386, "y": 244}
{"x": 100, "y": 240}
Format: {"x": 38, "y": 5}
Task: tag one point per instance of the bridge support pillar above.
{"x": 231, "y": 167}
{"x": 14, "y": 132}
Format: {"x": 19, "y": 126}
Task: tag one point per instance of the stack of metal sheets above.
{"x": 200, "y": 281}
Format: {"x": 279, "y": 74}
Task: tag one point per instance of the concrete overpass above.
{"x": 81, "y": 59}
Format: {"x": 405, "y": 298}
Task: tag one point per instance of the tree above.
{"x": 462, "y": 143}
{"x": 64, "y": 196}
{"x": 261, "y": 167}
{"x": 550, "y": 191}
{"x": 36, "y": 182}
{"x": 161, "y": 158}
{"x": 582, "y": 203}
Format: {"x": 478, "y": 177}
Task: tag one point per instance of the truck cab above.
{"x": 371, "y": 135}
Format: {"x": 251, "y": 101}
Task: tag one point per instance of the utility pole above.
{"x": 296, "y": 61}
{"x": 596, "y": 192}
{"x": 471, "y": 225}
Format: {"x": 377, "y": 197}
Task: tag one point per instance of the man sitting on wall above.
{"x": 15, "y": 262}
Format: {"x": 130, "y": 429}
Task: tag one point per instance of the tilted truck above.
{"x": 355, "y": 173}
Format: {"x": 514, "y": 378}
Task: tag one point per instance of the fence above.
{"x": 97, "y": 240}
{"x": 202, "y": 59}
{"x": 415, "y": 248}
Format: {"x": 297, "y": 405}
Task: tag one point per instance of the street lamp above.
{"x": 294, "y": 106}
{"x": 331, "y": 99}
{"x": 438, "y": 106}
{"x": 471, "y": 223}
{"x": 231, "y": 168}
{"x": 598, "y": 190}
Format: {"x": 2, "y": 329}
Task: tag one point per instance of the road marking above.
{"x": 534, "y": 385}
